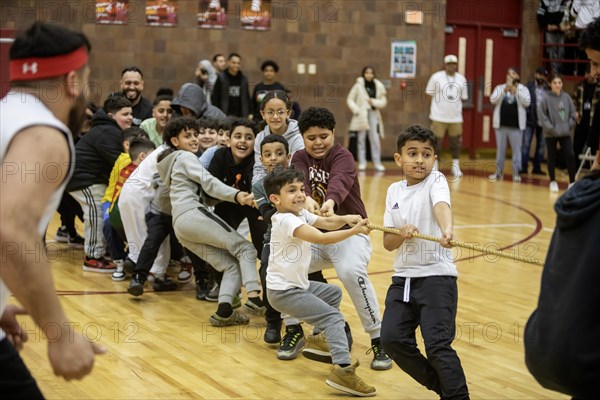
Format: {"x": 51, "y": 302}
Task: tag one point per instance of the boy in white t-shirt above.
{"x": 293, "y": 231}
{"x": 423, "y": 291}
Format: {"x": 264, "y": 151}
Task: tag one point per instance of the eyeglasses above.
{"x": 280, "y": 113}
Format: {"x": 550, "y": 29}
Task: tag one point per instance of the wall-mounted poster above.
{"x": 112, "y": 12}
{"x": 256, "y": 15}
{"x": 212, "y": 14}
{"x": 162, "y": 12}
{"x": 404, "y": 57}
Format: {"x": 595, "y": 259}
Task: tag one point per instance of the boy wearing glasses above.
{"x": 276, "y": 109}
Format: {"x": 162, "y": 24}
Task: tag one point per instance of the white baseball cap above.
{"x": 450, "y": 58}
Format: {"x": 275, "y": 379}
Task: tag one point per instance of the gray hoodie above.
{"x": 161, "y": 202}
{"x": 556, "y": 114}
{"x": 190, "y": 183}
{"x": 192, "y": 97}
{"x": 212, "y": 77}
{"x": 295, "y": 143}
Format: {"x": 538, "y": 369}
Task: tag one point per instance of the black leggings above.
{"x": 567, "y": 149}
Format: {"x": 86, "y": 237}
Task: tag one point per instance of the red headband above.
{"x": 32, "y": 68}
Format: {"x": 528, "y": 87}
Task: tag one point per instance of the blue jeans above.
{"x": 530, "y": 131}
{"x": 515, "y": 137}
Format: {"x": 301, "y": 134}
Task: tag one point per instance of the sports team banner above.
{"x": 162, "y": 12}
{"x": 112, "y": 12}
{"x": 212, "y": 14}
{"x": 255, "y": 15}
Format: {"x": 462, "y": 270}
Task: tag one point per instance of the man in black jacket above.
{"x": 95, "y": 155}
{"x": 132, "y": 85}
{"x": 231, "y": 93}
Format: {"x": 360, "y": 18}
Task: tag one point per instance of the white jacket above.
{"x": 523, "y": 101}
{"x": 358, "y": 102}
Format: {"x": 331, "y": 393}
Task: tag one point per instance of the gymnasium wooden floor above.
{"x": 162, "y": 347}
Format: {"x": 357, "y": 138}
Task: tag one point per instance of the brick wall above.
{"x": 340, "y": 37}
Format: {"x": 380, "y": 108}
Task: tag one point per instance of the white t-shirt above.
{"x": 290, "y": 257}
{"x": 19, "y": 111}
{"x": 447, "y": 94}
{"x": 139, "y": 184}
{"x": 414, "y": 205}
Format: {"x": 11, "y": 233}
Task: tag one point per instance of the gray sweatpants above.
{"x": 210, "y": 238}
{"x": 350, "y": 259}
{"x": 319, "y": 306}
{"x": 90, "y": 200}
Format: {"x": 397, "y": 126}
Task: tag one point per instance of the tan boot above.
{"x": 346, "y": 380}
{"x": 317, "y": 348}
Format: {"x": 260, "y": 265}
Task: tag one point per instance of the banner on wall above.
{"x": 112, "y": 12}
{"x": 162, "y": 12}
{"x": 212, "y": 14}
{"x": 404, "y": 59}
{"x": 255, "y": 15}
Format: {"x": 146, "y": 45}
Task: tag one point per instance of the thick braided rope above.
{"x": 460, "y": 244}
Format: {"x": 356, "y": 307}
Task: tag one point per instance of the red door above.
{"x": 486, "y": 47}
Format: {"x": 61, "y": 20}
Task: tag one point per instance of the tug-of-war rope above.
{"x": 460, "y": 244}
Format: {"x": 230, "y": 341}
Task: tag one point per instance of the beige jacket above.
{"x": 358, "y": 102}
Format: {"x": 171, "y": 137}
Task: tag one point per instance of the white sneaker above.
{"x": 362, "y": 166}
{"x": 455, "y": 170}
{"x": 553, "y": 187}
{"x": 494, "y": 177}
{"x": 517, "y": 179}
{"x": 119, "y": 274}
{"x": 185, "y": 274}
{"x": 379, "y": 167}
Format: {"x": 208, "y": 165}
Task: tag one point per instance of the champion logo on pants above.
{"x": 362, "y": 284}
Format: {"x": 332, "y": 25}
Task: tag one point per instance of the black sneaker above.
{"x": 273, "y": 332}
{"x": 381, "y": 361}
{"x": 164, "y": 284}
{"x": 76, "y": 241}
{"x": 292, "y": 343}
{"x": 62, "y": 235}
{"x": 128, "y": 265}
{"x": 136, "y": 286}
{"x": 202, "y": 289}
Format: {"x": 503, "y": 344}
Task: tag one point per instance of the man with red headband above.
{"x": 36, "y": 150}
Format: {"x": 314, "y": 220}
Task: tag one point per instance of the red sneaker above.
{"x": 99, "y": 265}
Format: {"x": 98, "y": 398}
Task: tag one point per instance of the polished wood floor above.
{"x": 162, "y": 347}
